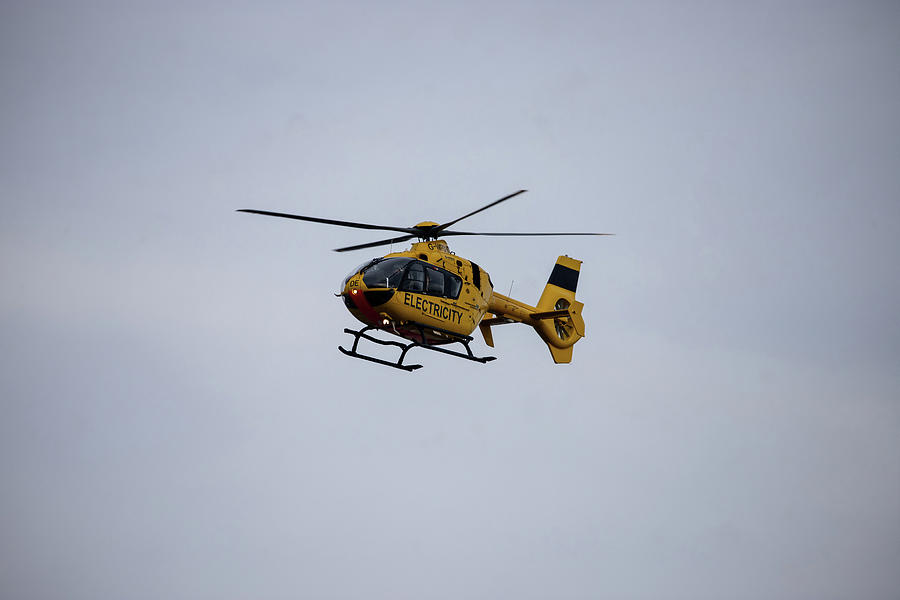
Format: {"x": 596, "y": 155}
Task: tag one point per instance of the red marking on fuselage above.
{"x": 364, "y": 307}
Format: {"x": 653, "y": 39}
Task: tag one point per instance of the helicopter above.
{"x": 431, "y": 298}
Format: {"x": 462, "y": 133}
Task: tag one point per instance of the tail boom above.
{"x": 557, "y": 318}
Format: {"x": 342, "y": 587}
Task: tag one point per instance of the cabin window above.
{"x": 452, "y": 285}
{"x": 415, "y": 279}
{"x": 434, "y": 282}
{"x": 424, "y": 278}
{"x": 385, "y": 273}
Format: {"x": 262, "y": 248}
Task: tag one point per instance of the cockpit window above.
{"x": 385, "y": 273}
{"x": 409, "y": 275}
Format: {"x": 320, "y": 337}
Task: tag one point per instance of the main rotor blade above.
{"x": 441, "y": 228}
{"x": 413, "y": 232}
{"x": 396, "y": 240}
{"x": 446, "y": 233}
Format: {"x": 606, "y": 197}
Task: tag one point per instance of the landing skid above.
{"x": 454, "y": 337}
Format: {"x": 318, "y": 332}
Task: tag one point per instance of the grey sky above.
{"x": 178, "y": 422}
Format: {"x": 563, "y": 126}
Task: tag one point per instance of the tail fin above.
{"x": 558, "y": 320}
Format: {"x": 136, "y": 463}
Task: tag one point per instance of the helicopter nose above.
{"x": 352, "y": 283}
{"x": 351, "y": 294}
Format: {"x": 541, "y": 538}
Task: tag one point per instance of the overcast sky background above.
{"x": 178, "y": 423}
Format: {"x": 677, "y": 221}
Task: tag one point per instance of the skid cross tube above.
{"x": 454, "y": 338}
{"x": 362, "y": 334}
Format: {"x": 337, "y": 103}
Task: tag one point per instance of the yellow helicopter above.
{"x": 430, "y": 297}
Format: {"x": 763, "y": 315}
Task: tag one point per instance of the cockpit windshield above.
{"x": 385, "y": 273}
{"x": 355, "y": 271}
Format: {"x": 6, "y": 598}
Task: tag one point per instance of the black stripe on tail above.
{"x": 564, "y": 277}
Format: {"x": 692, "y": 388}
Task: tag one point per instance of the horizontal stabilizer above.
{"x": 550, "y": 314}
